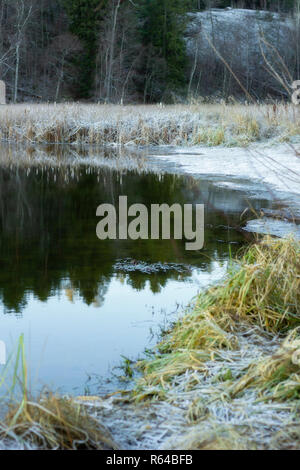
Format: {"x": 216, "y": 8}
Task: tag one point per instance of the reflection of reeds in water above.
{"x": 69, "y": 160}
{"x": 211, "y": 124}
{"x": 70, "y": 294}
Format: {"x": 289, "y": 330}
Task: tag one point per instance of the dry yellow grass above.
{"x": 262, "y": 289}
{"x": 209, "y": 124}
{"x": 56, "y": 423}
{"x": 234, "y": 361}
{"x": 278, "y": 376}
{"x": 48, "y": 422}
{"x": 218, "y": 438}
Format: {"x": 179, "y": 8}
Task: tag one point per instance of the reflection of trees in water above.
{"x": 157, "y": 281}
{"x": 97, "y": 301}
{"x": 48, "y": 231}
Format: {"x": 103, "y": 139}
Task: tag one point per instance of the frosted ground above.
{"x": 224, "y": 24}
{"x": 169, "y": 424}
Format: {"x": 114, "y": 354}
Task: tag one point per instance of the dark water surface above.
{"x": 81, "y": 302}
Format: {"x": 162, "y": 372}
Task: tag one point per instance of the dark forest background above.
{"x": 134, "y": 50}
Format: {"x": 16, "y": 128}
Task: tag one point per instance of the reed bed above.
{"x": 196, "y": 409}
{"x": 194, "y": 124}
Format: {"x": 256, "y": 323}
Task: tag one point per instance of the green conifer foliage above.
{"x": 162, "y": 26}
{"x": 84, "y": 17}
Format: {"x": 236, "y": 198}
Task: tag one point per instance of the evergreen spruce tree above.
{"x": 84, "y": 17}
{"x": 162, "y": 28}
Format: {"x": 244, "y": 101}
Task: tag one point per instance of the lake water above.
{"x": 82, "y": 303}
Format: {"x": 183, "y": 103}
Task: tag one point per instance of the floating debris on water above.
{"x": 132, "y": 265}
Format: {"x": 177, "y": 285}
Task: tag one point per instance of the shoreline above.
{"x": 225, "y": 394}
{"x": 272, "y": 171}
{"x": 225, "y": 376}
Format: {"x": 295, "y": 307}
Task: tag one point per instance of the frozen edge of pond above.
{"x": 277, "y": 168}
{"x": 274, "y": 171}
{"x": 269, "y": 226}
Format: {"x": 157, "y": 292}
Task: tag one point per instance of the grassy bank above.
{"x": 233, "y": 364}
{"x": 262, "y": 290}
{"x": 225, "y": 376}
{"x": 207, "y": 124}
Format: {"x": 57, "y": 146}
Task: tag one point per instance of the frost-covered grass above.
{"x": 227, "y": 375}
{"x": 195, "y": 124}
{"x": 263, "y": 292}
